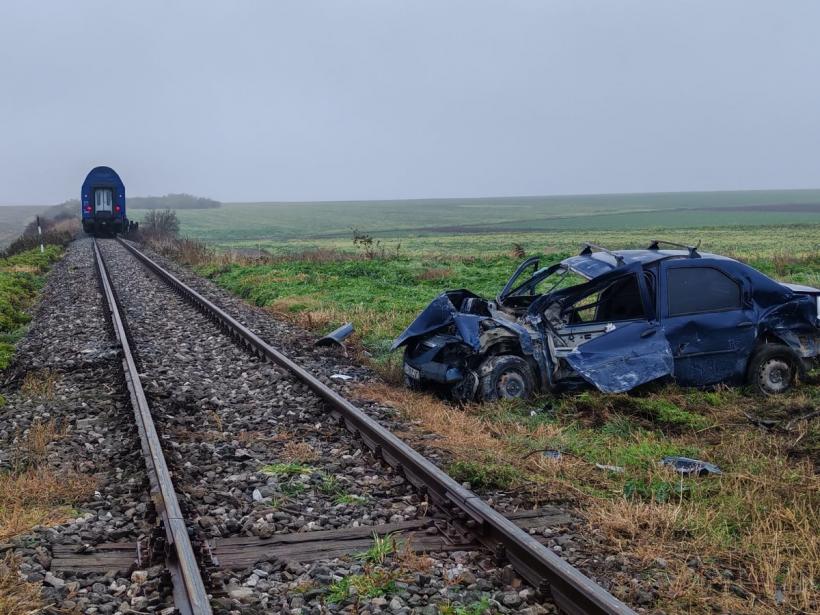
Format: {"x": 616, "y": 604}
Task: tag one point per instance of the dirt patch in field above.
{"x": 811, "y": 208}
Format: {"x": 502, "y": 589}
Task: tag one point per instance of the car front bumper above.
{"x": 423, "y": 366}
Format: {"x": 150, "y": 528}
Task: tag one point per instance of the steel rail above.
{"x": 572, "y": 591}
{"x": 190, "y": 596}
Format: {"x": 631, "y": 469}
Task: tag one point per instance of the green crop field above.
{"x": 278, "y": 222}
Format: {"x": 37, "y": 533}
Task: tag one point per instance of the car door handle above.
{"x": 649, "y": 332}
{"x": 745, "y": 323}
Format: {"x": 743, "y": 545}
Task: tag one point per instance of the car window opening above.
{"x": 692, "y": 290}
{"x": 620, "y": 300}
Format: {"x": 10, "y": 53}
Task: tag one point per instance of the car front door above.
{"x": 708, "y": 319}
{"x": 612, "y": 338}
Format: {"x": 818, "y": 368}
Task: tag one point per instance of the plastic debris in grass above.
{"x": 690, "y": 467}
{"x": 608, "y": 468}
{"x": 336, "y": 337}
{"x": 552, "y": 454}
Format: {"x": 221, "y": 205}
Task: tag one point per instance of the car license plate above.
{"x": 412, "y": 372}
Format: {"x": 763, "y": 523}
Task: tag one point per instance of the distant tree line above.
{"x": 172, "y": 201}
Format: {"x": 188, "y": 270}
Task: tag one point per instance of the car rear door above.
{"x": 708, "y": 319}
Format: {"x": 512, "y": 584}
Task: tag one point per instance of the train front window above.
{"x": 103, "y": 199}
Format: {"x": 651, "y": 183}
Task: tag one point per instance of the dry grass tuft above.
{"x": 410, "y": 561}
{"x": 215, "y": 418}
{"x": 245, "y": 437}
{"x": 433, "y": 274}
{"x": 39, "y": 496}
{"x": 317, "y": 255}
{"x": 298, "y": 451}
{"x": 16, "y": 594}
{"x": 32, "y": 494}
{"x": 41, "y": 383}
{"x": 32, "y": 445}
{"x": 462, "y": 432}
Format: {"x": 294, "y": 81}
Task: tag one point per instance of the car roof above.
{"x": 593, "y": 264}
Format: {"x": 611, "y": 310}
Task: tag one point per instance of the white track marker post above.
{"x": 40, "y": 233}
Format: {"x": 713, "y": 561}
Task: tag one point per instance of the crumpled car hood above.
{"x": 802, "y": 290}
{"x": 440, "y": 313}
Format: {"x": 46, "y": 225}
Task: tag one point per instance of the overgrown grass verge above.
{"x": 21, "y": 276}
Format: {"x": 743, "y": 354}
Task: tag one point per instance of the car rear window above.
{"x": 700, "y": 289}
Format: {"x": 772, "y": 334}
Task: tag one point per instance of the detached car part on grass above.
{"x": 616, "y": 320}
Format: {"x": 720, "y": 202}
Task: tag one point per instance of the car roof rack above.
{"x": 587, "y": 251}
{"x": 693, "y": 250}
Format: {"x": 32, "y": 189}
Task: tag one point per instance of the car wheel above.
{"x": 773, "y": 369}
{"x": 505, "y": 377}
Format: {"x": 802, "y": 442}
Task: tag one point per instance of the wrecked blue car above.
{"x": 616, "y": 320}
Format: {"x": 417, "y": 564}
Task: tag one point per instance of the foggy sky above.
{"x": 246, "y": 100}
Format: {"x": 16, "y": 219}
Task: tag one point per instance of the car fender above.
{"x": 793, "y": 323}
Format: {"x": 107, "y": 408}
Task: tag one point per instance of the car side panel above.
{"x": 709, "y": 347}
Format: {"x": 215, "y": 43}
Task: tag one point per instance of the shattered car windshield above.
{"x": 546, "y": 280}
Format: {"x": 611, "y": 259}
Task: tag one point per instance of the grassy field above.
{"x": 446, "y": 217}
{"x": 747, "y": 541}
{"x": 326, "y": 282}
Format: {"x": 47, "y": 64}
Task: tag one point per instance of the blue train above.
{"x": 102, "y": 200}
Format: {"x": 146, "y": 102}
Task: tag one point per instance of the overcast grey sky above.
{"x": 359, "y": 99}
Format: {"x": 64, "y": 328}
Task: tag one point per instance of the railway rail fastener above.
{"x": 190, "y": 595}
{"x": 572, "y": 591}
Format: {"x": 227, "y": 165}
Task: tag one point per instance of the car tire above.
{"x": 505, "y": 377}
{"x": 773, "y": 369}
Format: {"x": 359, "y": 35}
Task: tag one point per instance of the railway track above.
{"x": 458, "y": 518}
